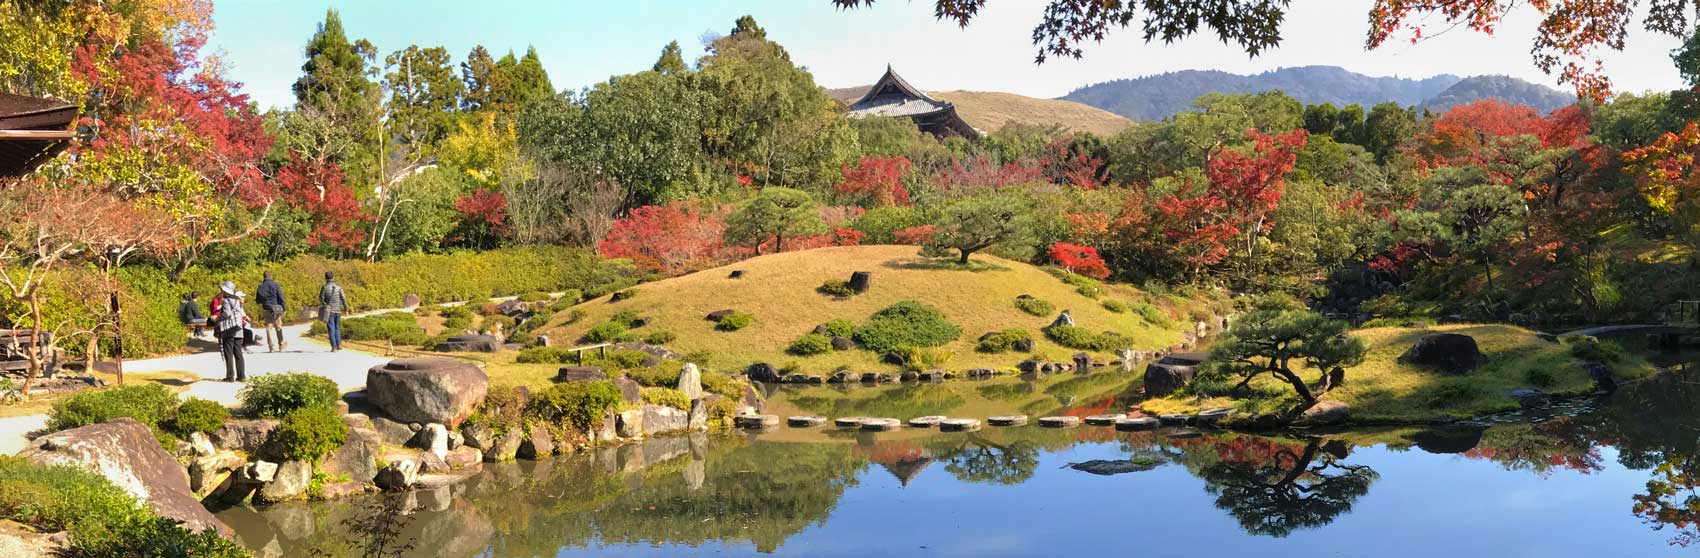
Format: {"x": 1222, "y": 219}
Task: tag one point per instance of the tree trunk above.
{"x": 36, "y": 348}
{"x": 1306, "y": 398}
{"x": 964, "y": 258}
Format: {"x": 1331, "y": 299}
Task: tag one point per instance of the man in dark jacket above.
{"x": 270, "y": 298}
{"x": 189, "y": 312}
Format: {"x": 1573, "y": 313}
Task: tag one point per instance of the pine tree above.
{"x": 671, "y": 61}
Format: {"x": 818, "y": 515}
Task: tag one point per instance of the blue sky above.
{"x": 583, "y": 42}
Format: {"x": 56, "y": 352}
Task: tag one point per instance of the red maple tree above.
{"x": 673, "y": 239}
{"x": 1080, "y": 259}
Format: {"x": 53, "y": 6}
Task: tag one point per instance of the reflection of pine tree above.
{"x": 1290, "y": 491}
{"x": 376, "y": 532}
{"x": 978, "y": 459}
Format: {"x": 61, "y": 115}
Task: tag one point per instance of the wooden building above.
{"x": 32, "y": 131}
{"x": 893, "y": 96}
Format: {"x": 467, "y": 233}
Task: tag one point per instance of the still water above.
{"x": 1610, "y": 477}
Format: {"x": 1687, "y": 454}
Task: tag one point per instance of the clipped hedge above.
{"x": 577, "y": 403}
{"x": 1076, "y": 337}
{"x": 199, "y": 415}
{"x": 906, "y": 324}
{"x": 810, "y": 344}
{"x": 735, "y": 321}
{"x": 401, "y": 328}
{"x": 1035, "y": 306}
{"x": 277, "y": 395}
{"x": 1001, "y": 341}
{"x": 148, "y": 403}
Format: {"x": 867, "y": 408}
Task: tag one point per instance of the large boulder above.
{"x": 580, "y": 374}
{"x": 357, "y": 457}
{"x": 661, "y": 419}
{"x": 861, "y": 280}
{"x": 244, "y": 435}
{"x": 538, "y": 443}
{"x": 289, "y": 483}
{"x": 207, "y": 471}
{"x": 630, "y": 390}
{"x": 1453, "y": 353}
{"x": 427, "y": 389}
{"x": 126, "y": 453}
{"x": 433, "y": 438}
{"x": 763, "y": 372}
{"x": 690, "y": 381}
{"x": 629, "y": 423}
{"x": 393, "y": 433}
{"x": 506, "y": 446}
{"x": 1327, "y": 411}
{"x": 1171, "y": 373}
{"x": 1063, "y": 319}
{"x": 398, "y": 475}
{"x": 470, "y": 344}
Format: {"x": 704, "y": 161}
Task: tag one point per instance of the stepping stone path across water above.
{"x": 849, "y": 422}
{"x": 881, "y": 424}
{"x": 1136, "y": 423}
{"x": 806, "y": 421}
{"x": 756, "y": 421}
{"x": 1059, "y": 422}
{"x": 928, "y": 421}
{"x": 1211, "y": 416}
{"x": 1174, "y": 419}
{"x": 959, "y": 425}
{"x": 1104, "y": 420}
{"x": 1007, "y": 420}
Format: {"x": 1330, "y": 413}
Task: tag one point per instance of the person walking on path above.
{"x": 332, "y": 303}
{"x": 189, "y": 312}
{"x": 269, "y": 296}
{"x": 230, "y": 326}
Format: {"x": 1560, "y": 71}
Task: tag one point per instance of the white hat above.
{"x": 227, "y": 287}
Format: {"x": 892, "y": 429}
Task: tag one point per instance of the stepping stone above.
{"x": 1007, "y": 420}
{"x": 1211, "y": 416}
{"x": 1174, "y": 419}
{"x": 1136, "y": 423}
{"x": 1185, "y": 433}
{"x": 1059, "y": 422}
{"x": 849, "y": 422}
{"x": 806, "y": 421}
{"x": 928, "y": 421}
{"x": 756, "y": 421}
{"x": 959, "y": 425}
{"x": 881, "y": 424}
{"x": 1104, "y": 420}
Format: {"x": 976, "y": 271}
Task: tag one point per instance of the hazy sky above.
{"x": 583, "y": 42}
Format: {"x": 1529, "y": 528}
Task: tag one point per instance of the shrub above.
{"x": 1034, "y": 306}
{"x": 534, "y": 296}
{"x": 399, "y": 327}
{"x": 1001, "y": 341}
{"x": 811, "y": 344}
{"x": 919, "y": 359}
{"x": 836, "y": 288}
{"x": 839, "y": 327}
{"x": 1116, "y": 306}
{"x": 199, "y": 415}
{"x": 577, "y": 403}
{"x": 457, "y": 320}
{"x": 1541, "y": 377}
{"x": 624, "y": 317}
{"x": 543, "y": 355}
{"x": 667, "y": 396}
{"x": 904, "y": 325}
{"x": 604, "y": 332}
{"x": 149, "y": 404}
{"x": 655, "y": 377}
{"x": 659, "y": 337}
{"x": 722, "y": 384}
{"x": 308, "y": 433}
{"x": 567, "y": 300}
{"x": 1076, "y": 337}
{"x": 102, "y": 519}
{"x": 277, "y": 395}
{"x": 1152, "y": 315}
{"x": 503, "y": 408}
{"x": 622, "y": 359}
{"x": 735, "y": 321}
{"x": 523, "y": 337}
{"x": 1086, "y": 286}
{"x": 1588, "y": 348}
{"x": 490, "y": 323}
{"x": 9, "y": 393}
{"x": 574, "y": 316}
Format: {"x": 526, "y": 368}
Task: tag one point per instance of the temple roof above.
{"x": 893, "y": 96}
{"x": 32, "y": 130}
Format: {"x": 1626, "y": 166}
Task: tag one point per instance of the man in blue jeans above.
{"x": 332, "y": 303}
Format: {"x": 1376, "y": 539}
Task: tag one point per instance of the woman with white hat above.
{"x": 230, "y": 326}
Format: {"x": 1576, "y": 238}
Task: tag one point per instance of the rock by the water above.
{"x": 398, "y": 475}
{"x": 357, "y": 456}
{"x": 1108, "y": 467}
{"x": 394, "y": 433}
{"x": 1529, "y": 397}
{"x": 1453, "y": 353}
{"x": 479, "y": 436}
{"x": 463, "y": 457}
{"x": 881, "y": 424}
{"x": 427, "y": 389}
{"x": 244, "y": 435}
{"x": 506, "y": 446}
{"x": 126, "y": 453}
{"x": 1604, "y": 379}
{"x": 764, "y": 372}
{"x": 538, "y": 443}
{"x": 753, "y": 401}
{"x": 805, "y": 421}
{"x": 661, "y": 419}
{"x": 1059, "y": 422}
{"x": 928, "y": 421}
{"x": 1006, "y": 420}
{"x": 1135, "y": 423}
{"x": 470, "y": 344}
{"x": 849, "y": 422}
{"x": 580, "y": 374}
{"x": 756, "y": 421}
{"x": 1171, "y": 373}
{"x": 1211, "y": 416}
{"x": 205, "y": 472}
{"x": 289, "y": 483}
{"x": 433, "y": 438}
{"x": 698, "y": 415}
{"x": 629, "y": 389}
{"x": 1103, "y": 420}
{"x": 1174, "y": 419}
{"x": 629, "y": 423}
{"x": 690, "y": 380}
{"x": 959, "y": 425}
{"x": 1327, "y": 411}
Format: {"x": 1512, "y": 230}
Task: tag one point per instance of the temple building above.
{"x": 892, "y": 96}
{"x": 32, "y": 130}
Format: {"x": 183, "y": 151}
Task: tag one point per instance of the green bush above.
{"x": 567, "y": 300}
{"x": 534, "y": 296}
{"x": 401, "y": 328}
{"x": 667, "y": 377}
{"x": 9, "y": 393}
{"x": 922, "y": 359}
{"x": 811, "y": 344}
{"x": 1152, "y": 315}
{"x": 904, "y": 325}
{"x": 1541, "y": 377}
{"x": 456, "y": 321}
{"x": 1034, "y": 306}
{"x": 626, "y": 317}
{"x": 668, "y": 397}
{"x": 503, "y": 408}
{"x": 659, "y": 337}
{"x": 723, "y": 384}
{"x": 574, "y": 316}
{"x": 309, "y": 433}
{"x": 490, "y": 323}
{"x": 1588, "y": 348}
{"x": 148, "y": 403}
{"x": 544, "y": 355}
{"x": 199, "y": 415}
{"x": 623, "y": 359}
{"x": 605, "y": 332}
{"x": 839, "y": 327}
{"x": 1001, "y": 341}
{"x": 1076, "y": 337}
{"x": 276, "y": 395}
{"x": 1116, "y": 306}
{"x": 1086, "y": 286}
{"x": 735, "y": 321}
{"x": 101, "y": 518}
{"x": 836, "y": 288}
{"x": 577, "y": 403}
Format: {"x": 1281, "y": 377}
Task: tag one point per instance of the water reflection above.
{"x": 1634, "y": 458}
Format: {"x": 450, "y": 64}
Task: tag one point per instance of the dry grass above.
{"x": 1385, "y": 389}
{"x": 779, "y": 290}
{"x": 989, "y": 111}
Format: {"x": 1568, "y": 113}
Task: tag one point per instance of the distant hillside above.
{"x": 1159, "y": 96}
{"x": 989, "y": 111}
{"x": 1504, "y": 88}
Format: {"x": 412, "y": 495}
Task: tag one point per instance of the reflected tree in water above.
{"x": 981, "y": 460}
{"x": 1291, "y": 490}
{"x": 377, "y": 530}
{"x": 1654, "y": 426}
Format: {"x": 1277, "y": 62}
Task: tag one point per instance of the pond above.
{"x": 1608, "y": 477}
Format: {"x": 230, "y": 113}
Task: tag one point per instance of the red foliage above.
{"x": 673, "y": 239}
{"x": 484, "y": 215}
{"x": 1079, "y": 259}
{"x": 877, "y": 181}
{"x": 1072, "y": 168}
{"x": 318, "y": 189}
{"x": 916, "y": 235}
{"x": 983, "y": 172}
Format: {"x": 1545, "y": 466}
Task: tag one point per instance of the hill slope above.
{"x": 1158, "y": 96}
{"x": 990, "y": 110}
{"x": 779, "y": 290}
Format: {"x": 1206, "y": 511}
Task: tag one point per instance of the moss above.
{"x": 668, "y": 397}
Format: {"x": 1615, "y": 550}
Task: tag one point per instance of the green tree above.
{"x": 775, "y": 213}
{"x": 641, "y": 132}
{"x": 425, "y": 95}
{"x": 1290, "y": 491}
{"x": 530, "y": 81}
{"x": 672, "y": 61}
{"x": 1322, "y": 119}
{"x": 1476, "y": 220}
{"x": 1279, "y": 337}
{"x": 1387, "y": 126}
{"x": 336, "y": 78}
{"x": 487, "y": 86}
{"x": 976, "y": 223}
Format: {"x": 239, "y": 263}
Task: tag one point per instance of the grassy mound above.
{"x": 1384, "y": 389}
{"x": 779, "y": 292}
